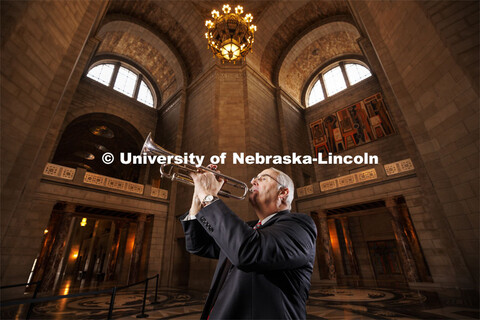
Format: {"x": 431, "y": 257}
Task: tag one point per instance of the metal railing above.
{"x": 37, "y": 287}
{"x": 143, "y": 314}
{"x": 113, "y": 292}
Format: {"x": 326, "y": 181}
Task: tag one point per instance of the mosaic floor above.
{"x": 324, "y": 303}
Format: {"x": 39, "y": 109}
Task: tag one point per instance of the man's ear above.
{"x": 284, "y": 194}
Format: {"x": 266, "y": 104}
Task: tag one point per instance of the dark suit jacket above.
{"x": 270, "y": 270}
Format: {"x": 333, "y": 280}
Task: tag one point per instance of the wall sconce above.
{"x": 84, "y": 222}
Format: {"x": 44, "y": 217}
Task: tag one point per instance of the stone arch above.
{"x": 164, "y": 62}
{"x": 325, "y": 41}
{"x": 78, "y": 142}
{"x": 314, "y": 75}
{"x": 114, "y": 119}
{"x": 142, "y": 119}
{"x": 293, "y": 27}
{"x": 115, "y": 58}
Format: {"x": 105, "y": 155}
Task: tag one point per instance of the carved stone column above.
{"x": 137, "y": 249}
{"x": 327, "y": 246}
{"x": 405, "y": 251}
{"x": 420, "y": 262}
{"x": 47, "y": 244}
{"x": 89, "y": 261}
{"x": 114, "y": 250}
{"x": 349, "y": 246}
{"x": 55, "y": 257}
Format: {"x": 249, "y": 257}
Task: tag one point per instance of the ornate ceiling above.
{"x": 128, "y": 45}
{"x": 294, "y": 26}
{"x": 167, "y": 39}
{"x": 331, "y": 40}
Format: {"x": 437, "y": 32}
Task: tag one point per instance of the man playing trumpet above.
{"x": 264, "y": 267}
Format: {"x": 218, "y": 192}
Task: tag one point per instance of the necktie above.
{"x": 259, "y": 223}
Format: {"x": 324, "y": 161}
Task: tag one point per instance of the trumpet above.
{"x": 180, "y": 172}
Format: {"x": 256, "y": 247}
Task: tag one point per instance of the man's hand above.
{"x": 206, "y": 183}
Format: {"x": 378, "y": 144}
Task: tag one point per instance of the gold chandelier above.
{"x": 230, "y": 36}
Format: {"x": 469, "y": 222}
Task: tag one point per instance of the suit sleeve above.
{"x": 197, "y": 239}
{"x": 286, "y": 244}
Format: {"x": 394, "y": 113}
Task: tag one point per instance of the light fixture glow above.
{"x": 239, "y": 10}
{"x": 67, "y": 289}
{"x": 45, "y": 231}
{"x": 230, "y": 36}
{"x": 83, "y": 223}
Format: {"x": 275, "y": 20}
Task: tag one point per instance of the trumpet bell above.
{"x": 232, "y": 188}
{"x": 151, "y": 148}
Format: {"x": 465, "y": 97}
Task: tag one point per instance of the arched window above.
{"x": 316, "y": 94}
{"x": 102, "y": 73}
{"x": 335, "y": 78}
{"x": 356, "y": 72}
{"x": 125, "y": 79}
{"x": 334, "y": 81}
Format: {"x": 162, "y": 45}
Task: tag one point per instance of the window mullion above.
{"x": 323, "y": 86}
{"x": 344, "y": 72}
{"x": 114, "y": 75}
{"x": 137, "y": 86}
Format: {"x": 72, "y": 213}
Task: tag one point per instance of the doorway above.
{"x": 85, "y": 247}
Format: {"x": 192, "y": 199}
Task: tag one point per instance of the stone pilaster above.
{"x": 114, "y": 248}
{"x": 327, "y": 246}
{"x": 54, "y": 259}
{"x": 405, "y": 251}
{"x": 137, "y": 249}
{"x": 417, "y": 253}
{"x": 349, "y": 246}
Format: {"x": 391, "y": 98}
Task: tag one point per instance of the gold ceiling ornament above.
{"x": 229, "y": 35}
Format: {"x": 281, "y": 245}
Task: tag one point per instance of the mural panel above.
{"x": 360, "y": 123}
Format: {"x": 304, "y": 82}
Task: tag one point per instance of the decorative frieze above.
{"x": 366, "y": 175}
{"x": 399, "y": 167}
{"x": 328, "y": 185}
{"x": 112, "y": 183}
{"x": 134, "y": 187}
{"x": 159, "y": 193}
{"x": 54, "y": 170}
{"x": 115, "y": 183}
{"x": 348, "y": 180}
{"x": 305, "y": 191}
{"x": 93, "y": 178}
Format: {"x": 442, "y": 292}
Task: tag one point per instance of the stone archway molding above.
{"x": 323, "y": 28}
{"x": 121, "y": 23}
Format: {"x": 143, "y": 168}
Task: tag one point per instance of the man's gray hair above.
{"x": 287, "y": 182}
